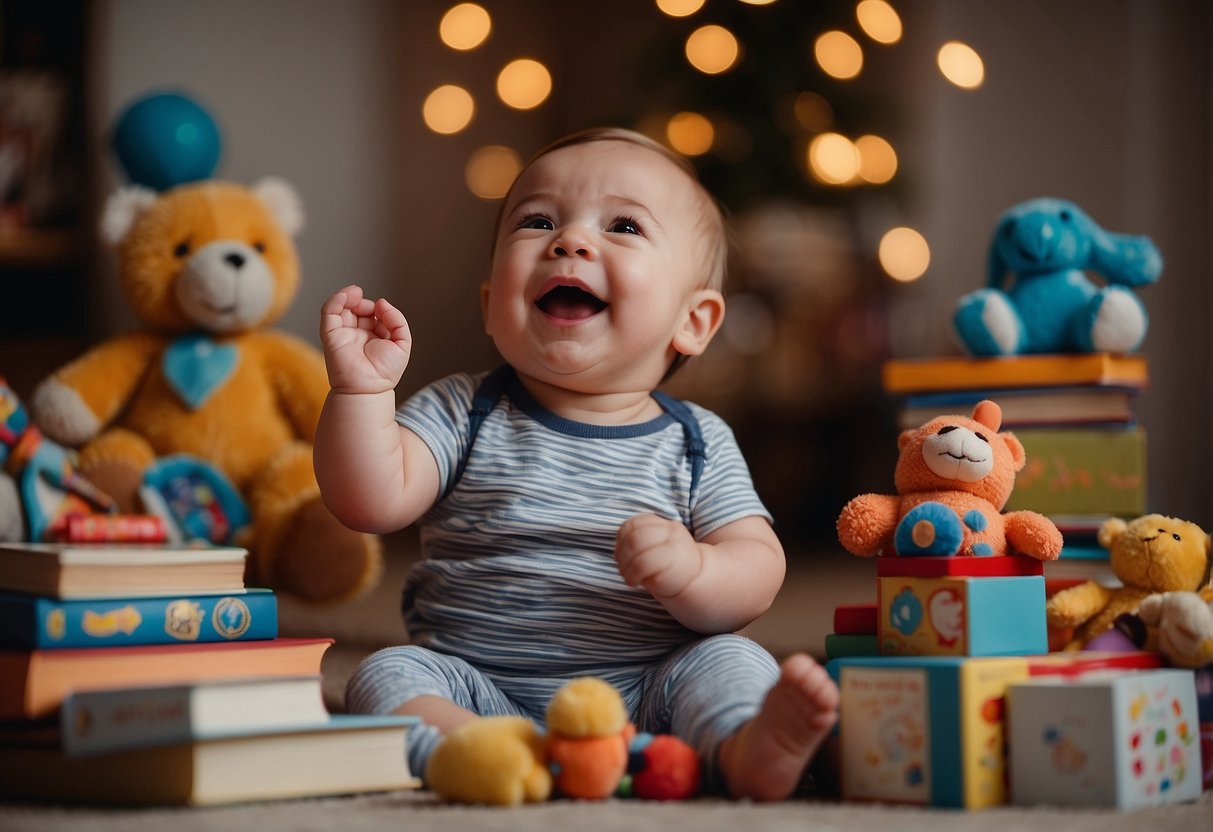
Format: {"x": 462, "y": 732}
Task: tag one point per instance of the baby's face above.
{"x": 600, "y": 250}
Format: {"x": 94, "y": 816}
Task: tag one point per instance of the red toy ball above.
{"x": 668, "y": 770}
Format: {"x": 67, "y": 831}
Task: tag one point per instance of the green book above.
{"x": 1082, "y": 471}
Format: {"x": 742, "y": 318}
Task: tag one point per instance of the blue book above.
{"x": 32, "y": 622}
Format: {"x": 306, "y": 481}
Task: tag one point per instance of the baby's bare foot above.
{"x": 766, "y": 757}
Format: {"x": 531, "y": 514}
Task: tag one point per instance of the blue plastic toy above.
{"x": 1050, "y": 305}
{"x": 166, "y": 139}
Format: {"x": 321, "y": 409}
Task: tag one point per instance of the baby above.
{"x": 575, "y": 521}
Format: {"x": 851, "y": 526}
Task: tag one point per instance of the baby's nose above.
{"x": 571, "y": 244}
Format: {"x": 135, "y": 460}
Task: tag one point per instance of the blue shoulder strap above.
{"x": 494, "y": 384}
{"x": 697, "y": 448}
{"x": 483, "y": 401}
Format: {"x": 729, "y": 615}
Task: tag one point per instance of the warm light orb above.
{"x": 712, "y": 49}
{"x": 961, "y": 65}
{"x": 877, "y": 159}
{"x": 838, "y": 54}
{"x": 448, "y": 109}
{"x": 491, "y": 170}
{"x": 758, "y": 2}
{"x": 813, "y": 112}
{"x": 833, "y": 158}
{"x": 679, "y": 8}
{"x": 465, "y": 26}
{"x": 879, "y": 21}
{"x": 524, "y": 84}
{"x": 904, "y": 254}
{"x": 691, "y": 134}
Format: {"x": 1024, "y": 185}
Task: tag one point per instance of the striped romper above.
{"x": 519, "y": 591}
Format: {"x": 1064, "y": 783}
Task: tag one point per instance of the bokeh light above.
{"x": 712, "y": 49}
{"x": 524, "y": 84}
{"x": 833, "y": 158}
{"x": 680, "y": 8}
{"x": 879, "y": 21}
{"x": 465, "y": 26}
{"x": 758, "y": 2}
{"x": 448, "y": 109}
{"x": 877, "y": 159}
{"x": 838, "y": 54}
{"x": 904, "y": 254}
{"x": 491, "y": 170}
{"x": 813, "y": 112}
{"x": 691, "y": 134}
{"x": 961, "y": 65}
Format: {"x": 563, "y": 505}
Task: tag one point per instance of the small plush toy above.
{"x": 590, "y": 751}
{"x": 207, "y": 267}
{"x": 1050, "y": 305}
{"x": 1180, "y": 626}
{"x": 953, "y": 477}
{"x": 1151, "y": 554}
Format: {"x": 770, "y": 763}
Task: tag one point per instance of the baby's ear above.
{"x": 705, "y": 312}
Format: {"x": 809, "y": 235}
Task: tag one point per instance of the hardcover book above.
{"x": 960, "y": 373}
{"x": 342, "y": 755}
{"x": 1027, "y": 407}
{"x": 113, "y": 720}
{"x": 1082, "y": 471}
{"x": 119, "y": 570}
{"x": 34, "y": 683}
{"x": 29, "y": 622}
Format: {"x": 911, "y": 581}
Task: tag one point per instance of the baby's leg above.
{"x": 443, "y": 690}
{"x": 766, "y": 757}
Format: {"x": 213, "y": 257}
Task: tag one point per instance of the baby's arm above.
{"x": 374, "y": 475}
{"x": 717, "y": 585}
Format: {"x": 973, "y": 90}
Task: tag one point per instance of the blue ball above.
{"x": 166, "y": 139}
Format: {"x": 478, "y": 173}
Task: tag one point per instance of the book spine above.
{"x": 44, "y": 623}
{"x": 115, "y": 720}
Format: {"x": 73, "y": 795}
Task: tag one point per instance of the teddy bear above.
{"x": 953, "y": 477}
{"x": 207, "y": 267}
{"x": 1050, "y": 305}
{"x": 1150, "y": 554}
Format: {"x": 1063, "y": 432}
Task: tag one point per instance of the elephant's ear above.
{"x": 1124, "y": 259}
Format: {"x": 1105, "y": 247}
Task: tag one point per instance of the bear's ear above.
{"x": 283, "y": 201}
{"x": 1111, "y": 529}
{"x": 989, "y": 414}
{"x": 1019, "y": 457}
{"x": 905, "y": 436}
{"x": 122, "y": 208}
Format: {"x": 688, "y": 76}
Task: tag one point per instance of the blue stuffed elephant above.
{"x": 1050, "y": 305}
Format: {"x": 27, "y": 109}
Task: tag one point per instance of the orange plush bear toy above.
{"x": 953, "y": 477}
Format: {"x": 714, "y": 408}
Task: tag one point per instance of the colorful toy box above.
{"x": 961, "y": 616}
{"x": 1108, "y": 738}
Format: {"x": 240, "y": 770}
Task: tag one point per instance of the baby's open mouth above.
{"x": 570, "y": 303}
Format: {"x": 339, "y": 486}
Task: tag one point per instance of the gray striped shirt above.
{"x": 519, "y": 577}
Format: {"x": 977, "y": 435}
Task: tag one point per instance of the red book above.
{"x": 1000, "y": 566}
{"x": 855, "y": 619}
{"x": 33, "y": 683}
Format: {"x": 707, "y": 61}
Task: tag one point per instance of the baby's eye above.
{"x": 537, "y": 221}
{"x": 623, "y": 225}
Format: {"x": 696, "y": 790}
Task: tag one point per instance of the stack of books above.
{"x": 1074, "y": 414}
{"x": 149, "y": 674}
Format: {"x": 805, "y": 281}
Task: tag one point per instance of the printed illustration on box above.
{"x": 1148, "y": 555}
{"x": 1039, "y": 298}
{"x": 1105, "y": 739}
{"x": 207, "y": 267}
{"x": 954, "y": 475}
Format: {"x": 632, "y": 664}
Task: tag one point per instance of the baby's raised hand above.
{"x": 366, "y": 343}
{"x": 658, "y": 554}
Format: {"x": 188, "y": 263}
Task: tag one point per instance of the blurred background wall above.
{"x": 1106, "y": 102}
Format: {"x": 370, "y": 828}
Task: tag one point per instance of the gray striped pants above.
{"x": 701, "y": 693}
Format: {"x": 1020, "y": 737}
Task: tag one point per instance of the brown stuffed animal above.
{"x": 1149, "y": 555}
{"x": 206, "y": 268}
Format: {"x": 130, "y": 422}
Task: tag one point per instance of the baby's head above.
{"x": 609, "y": 259}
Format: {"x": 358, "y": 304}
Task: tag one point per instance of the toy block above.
{"x": 948, "y": 616}
{"x": 1000, "y": 566}
{"x": 926, "y": 730}
{"x": 851, "y": 644}
{"x": 855, "y": 619}
{"x": 1108, "y": 738}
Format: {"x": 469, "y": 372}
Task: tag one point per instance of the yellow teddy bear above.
{"x": 206, "y": 268}
{"x": 1151, "y": 554}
